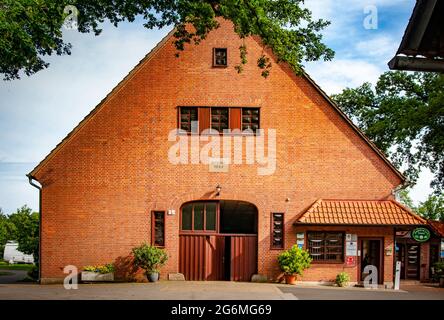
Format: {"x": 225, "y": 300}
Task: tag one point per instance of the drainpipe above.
{"x": 402, "y": 186}
{"x": 31, "y": 182}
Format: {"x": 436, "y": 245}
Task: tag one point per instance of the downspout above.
{"x": 31, "y": 182}
{"x": 400, "y": 187}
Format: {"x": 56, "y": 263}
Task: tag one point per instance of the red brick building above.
{"x": 110, "y": 184}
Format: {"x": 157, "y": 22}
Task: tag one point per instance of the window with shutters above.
{"x": 277, "y": 230}
{"x": 198, "y": 119}
{"x": 158, "y": 228}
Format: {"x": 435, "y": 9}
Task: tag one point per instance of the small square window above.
{"x": 220, "y": 57}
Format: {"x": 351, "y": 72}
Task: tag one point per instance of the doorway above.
{"x": 371, "y": 254}
{"x": 409, "y": 255}
{"x": 218, "y": 240}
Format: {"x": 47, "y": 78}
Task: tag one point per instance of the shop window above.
{"x": 326, "y": 246}
{"x": 199, "y": 217}
{"x": 277, "y": 230}
{"x": 220, "y": 57}
{"x": 158, "y": 228}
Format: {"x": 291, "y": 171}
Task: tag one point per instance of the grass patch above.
{"x": 6, "y": 273}
{"x": 18, "y": 266}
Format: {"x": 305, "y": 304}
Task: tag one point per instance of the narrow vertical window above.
{"x": 220, "y": 57}
{"x": 277, "y": 230}
{"x": 158, "y": 228}
{"x": 219, "y": 119}
{"x": 187, "y": 116}
{"x": 250, "y": 119}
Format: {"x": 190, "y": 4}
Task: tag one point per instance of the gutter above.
{"x": 30, "y": 179}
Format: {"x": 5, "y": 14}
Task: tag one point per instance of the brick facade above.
{"x": 101, "y": 184}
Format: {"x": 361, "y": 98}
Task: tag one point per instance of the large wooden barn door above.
{"x": 243, "y": 257}
{"x": 201, "y": 257}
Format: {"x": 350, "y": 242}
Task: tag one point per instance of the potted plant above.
{"x": 150, "y": 259}
{"x": 438, "y": 274}
{"x": 293, "y": 262}
{"x": 98, "y": 273}
{"x": 342, "y": 279}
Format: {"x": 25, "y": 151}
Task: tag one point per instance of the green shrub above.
{"x": 439, "y": 270}
{"x": 149, "y": 258}
{"x": 294, "y": 260}
{"x": 342, "y": 279}
{"x": 107, "y": 268}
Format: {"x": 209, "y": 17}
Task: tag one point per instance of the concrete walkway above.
{"x": 189, "y": 290}
{"x": 15, "y": 276}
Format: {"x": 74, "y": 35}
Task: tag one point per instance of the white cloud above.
{"x": 334, "y": 76}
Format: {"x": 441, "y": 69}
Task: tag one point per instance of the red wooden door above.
{"x": 201, "y": 257}
{"x": 243, "y": 257}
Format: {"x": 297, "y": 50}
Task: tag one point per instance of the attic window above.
{"x": 220, "y": 57}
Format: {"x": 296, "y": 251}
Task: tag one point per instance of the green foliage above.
{"x": 403, "y": 115}
{"x": 33, "y": 273}
{"x": 342, "y": 279}
{"x": 107, "y": 268}
{"x": 432, "y": 208}
{"x": 149, "y": 258}
{"x": 7, "y": 231}
{"x": 17, "y": 266}
{"x": 294, "y": 260}
{"x": 26, "y": 225}
{"x": 31, "y": 29}
{"x": 439, "y": 270}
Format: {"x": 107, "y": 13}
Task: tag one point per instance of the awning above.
{"x": 359, "y": 212}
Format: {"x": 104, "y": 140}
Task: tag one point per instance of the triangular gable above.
{"x": 146, "y": 59}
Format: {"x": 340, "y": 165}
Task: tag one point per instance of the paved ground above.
{"x": 15, "y": 275}
{"x": 189, "y": 290}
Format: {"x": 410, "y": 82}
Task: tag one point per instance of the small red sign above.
{"x": 350, "y": 261}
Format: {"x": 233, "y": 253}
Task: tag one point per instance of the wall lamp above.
{"x": 218, "y": 189}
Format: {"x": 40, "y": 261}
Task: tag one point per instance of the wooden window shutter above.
{"x": 235, "y": 118}
{"x": 204, "y": 119}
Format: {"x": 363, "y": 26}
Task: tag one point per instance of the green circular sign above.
{"x": 421, "y": 234}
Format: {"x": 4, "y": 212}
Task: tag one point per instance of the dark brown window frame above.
{"x": 251, "y": 116}
{"x": 219, "y": 122}
{"x": 215, "y": 65}
{"x": 342, "y": 261}
{"x": 204, "y": 231}
{"x": 179, "y": 118}
{"x": 179, "y": 125}
{"x": 153, "y": 228}
{"x": 273, "y": 247}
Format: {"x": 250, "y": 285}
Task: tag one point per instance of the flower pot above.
{"x": 152, "y": 277}
{"x": 290, "y": 279}
{"x": 89, "y": 276}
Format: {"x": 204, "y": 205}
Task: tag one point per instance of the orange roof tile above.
{"x": 359, "y": 212}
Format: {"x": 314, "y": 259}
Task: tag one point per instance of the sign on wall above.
{"x": 351, "y": 245}
{"x": 218, "y": 164}
{"x": 300, "y": 238}
{"x": 421, "y": 234}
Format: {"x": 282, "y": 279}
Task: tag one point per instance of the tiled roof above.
{"x": 437, "y": 226}
{"x": 359, "y": 212}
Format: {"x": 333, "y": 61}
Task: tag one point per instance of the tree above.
{"x": 26, "y": 225}
{"x": 404, "y": 116}
{"x": 432, "y": 208}
{"x": 32, "y": 29}
{"x": 7, "y": 231}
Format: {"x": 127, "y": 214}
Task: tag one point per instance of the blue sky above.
{"x": 37, "y": 112}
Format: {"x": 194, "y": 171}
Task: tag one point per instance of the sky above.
{"x": 37, "y": 112}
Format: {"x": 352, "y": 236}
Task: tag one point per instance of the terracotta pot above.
{"x": 290, "y": 279}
